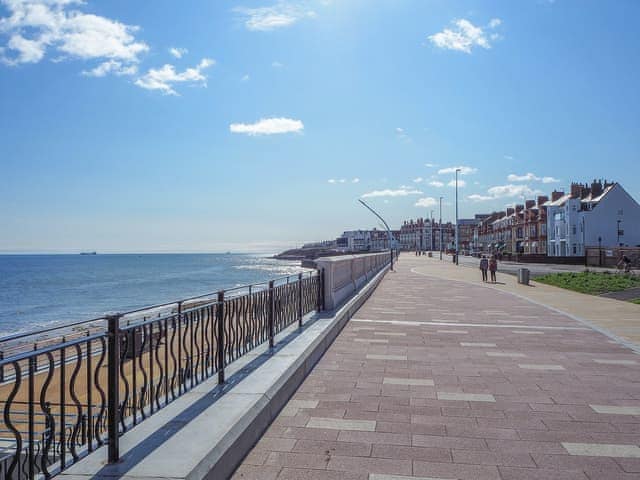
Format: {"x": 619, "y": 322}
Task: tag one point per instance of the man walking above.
{"x": 484, "y": 266}
{"x": 493, "y": 267}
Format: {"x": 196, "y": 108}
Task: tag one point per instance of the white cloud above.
{"x": 35, "y": 27}
{"x": 436, "y": 183}
{"x": 550, "y": 180}
{"x": 501, "y": 191}
{"x": 164, "y": 78}
{"x": 178, "y": 52}
{"x": 277, "y": 65}
{"x": 342, "y": 180}
{"x": 479, "y": 198}
{"x": 402, "y": 134}
{"x": 282, "y": 14}
{"x": 418, "y": 180}
{"x": 401, "y": 192}
{"x": 463, "y": 36}
{"x": 111, "y": 67}
{"x": 531, "y": 177}
{"x": 245, "y": 78}
{"x": 430, "y": 165}
{"x": 463, "y": 170}
{"x": 426, "y": 202}
{"x": 527, "y": 177}
{"x": 461, "y": 183}
{"x": 508, "y": 157}
{"x": 355, "y": 180}
{"x": 505, "y": 191}
{"x": 332, "y": 180}
{"x": 268, "y": 126}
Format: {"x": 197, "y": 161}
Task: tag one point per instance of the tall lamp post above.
{"x": 457, "y": 233}
{"x": 386, "y": 226}
{"x": 431, "y": 234}
{"x": 440, "y": 228}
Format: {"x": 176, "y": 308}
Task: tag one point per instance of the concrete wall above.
{"x": 344, "y": 275}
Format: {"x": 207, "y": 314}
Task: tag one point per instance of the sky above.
{"x": 204, "y": 126}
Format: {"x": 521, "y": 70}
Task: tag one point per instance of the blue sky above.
{"x": 219, "y": 125}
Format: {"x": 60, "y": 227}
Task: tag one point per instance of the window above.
{"x": 573, "y": 230}
{"x": 575, "y": 249}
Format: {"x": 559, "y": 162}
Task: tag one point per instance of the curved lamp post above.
{"x": 386, "y": 226}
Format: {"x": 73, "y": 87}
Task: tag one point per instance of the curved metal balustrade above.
{"x": 80, "y": 386}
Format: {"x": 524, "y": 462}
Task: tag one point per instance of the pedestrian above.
{"x": 493, "y": 267}
{"x": 484, "y": 266}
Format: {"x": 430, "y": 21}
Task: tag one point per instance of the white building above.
{"x": 355, "y": 241}
{"x": 599, "y": 215}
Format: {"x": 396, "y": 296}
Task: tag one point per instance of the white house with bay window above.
{"x": 590, "y": 216}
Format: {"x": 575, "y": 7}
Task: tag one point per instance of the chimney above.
{"x": 596, "y": 188}
{"x": 510, "y": 211}
{"x": 542, "y": 199}
{"x": 529, "y": 204}
{"x": 556, "y": 195}
{"x": 576, "y": 190}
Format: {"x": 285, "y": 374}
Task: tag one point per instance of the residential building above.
{"x": 596, "y": 215}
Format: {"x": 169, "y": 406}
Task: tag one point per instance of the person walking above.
{"x": 493, "y": 267}
{"x": 484, "y": 266}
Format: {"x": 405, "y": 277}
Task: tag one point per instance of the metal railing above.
{"x": 74, "y": 391}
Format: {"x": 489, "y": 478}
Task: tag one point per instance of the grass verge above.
{"x": 593, "y": 283}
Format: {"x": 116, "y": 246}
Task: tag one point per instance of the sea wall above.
{"x": 344, "y": 275}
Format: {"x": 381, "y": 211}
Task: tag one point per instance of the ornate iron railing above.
{"x": 73, "y": 391}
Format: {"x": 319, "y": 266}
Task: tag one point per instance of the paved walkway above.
{"x": 441, "y": 379}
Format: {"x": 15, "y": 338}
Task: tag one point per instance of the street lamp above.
{"x": 431, "y": 234}
{"x": 387, "y": 227}
{"x": 618, "y": 233}
{"x": 440, "y": 228}
{"x": 457, "y": 233}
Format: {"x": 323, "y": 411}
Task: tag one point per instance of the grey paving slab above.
{"x": 341, "y": 424}
{"x": 604, "y": 361}
{"x": 466, "y": 397}
{"x": 374, "y": 356}
{"x": 424, "y": 382}
{"x": 616, "y": 410}
{"x": 533, "y": 366}
{"x": 602, "y": 450}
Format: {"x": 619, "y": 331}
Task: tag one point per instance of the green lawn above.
{"x": 635, "y": 300}
{"x": 594, "y": 283}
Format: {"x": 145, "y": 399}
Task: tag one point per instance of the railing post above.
{"x": 220, "y": 318}
{"x": 1, "y": 367}
{"x": 300, "y": 300}
{"x": 270, "y": 314}
{"x": 33, "y": 366}
{"x": 113, "y": 397}
{"x": 321, "y": 299}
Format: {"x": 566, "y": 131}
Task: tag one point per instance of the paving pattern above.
{"x": 437, "y": 379}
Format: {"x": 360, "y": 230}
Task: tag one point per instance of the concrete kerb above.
{"x": 213, "y": 444}
{"x": 632, "y": 346}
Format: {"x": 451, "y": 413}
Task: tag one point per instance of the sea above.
{"x": 41, "y": 291}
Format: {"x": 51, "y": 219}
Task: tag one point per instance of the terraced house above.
{"x": 600, "y": 215}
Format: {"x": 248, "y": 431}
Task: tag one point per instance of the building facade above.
{"x": 600, "y": 215}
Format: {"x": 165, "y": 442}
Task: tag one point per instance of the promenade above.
{"x": 439, "y": 376}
